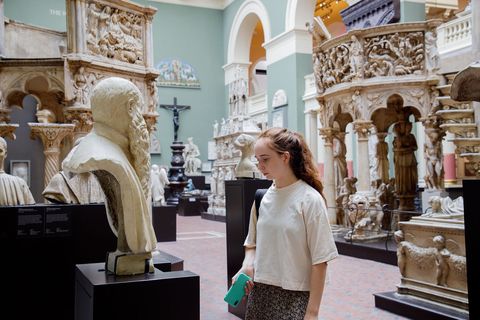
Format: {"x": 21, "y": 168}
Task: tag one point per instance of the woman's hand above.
{"x": 249, "y": 271}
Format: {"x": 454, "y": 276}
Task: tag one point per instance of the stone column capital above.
{"x": 7, "y": 130}
{"x": 328, "y": 134}
{"x": 81, "y": 117}
{"x": 362, "y": 128}
{"x": 51, "y": 134}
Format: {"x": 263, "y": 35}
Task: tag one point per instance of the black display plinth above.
{"x": 166, "y": 262}
{"x": 472, "y": 244}
{"x": 190, "y": 205}
{"x": 42, "y": 244}
{"x": 415, "y": 308}
{"x": 162, "y": 295}
{"x": 198, "y": 182}
{"x": 239, "y": 197}
{"x": 164, "y": 220}
{"x": 376, "y": 251}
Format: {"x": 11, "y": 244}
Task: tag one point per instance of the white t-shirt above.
{"x": 291, "y": 235}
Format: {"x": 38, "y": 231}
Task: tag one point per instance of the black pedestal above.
{"x": 158, "y": 295}
{"x": 190, "y": 205}
{"x": 414, "y": 308}
{"x": 472, "y": 244}
{"x": 166, "y": 262}
{"x": 41, "y": 245}
{"x": 239, "y": 197}
{"x": 198, "y": 182}
{"x": 164, "y": 220}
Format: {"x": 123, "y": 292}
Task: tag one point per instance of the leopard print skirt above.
{"x": 271, "y": 302}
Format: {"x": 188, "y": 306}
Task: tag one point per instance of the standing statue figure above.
{"x": 159, "y": 178}
{"x": 215, "y": 129}
{"x": 382, "y": 157}
{"x": 347, "y": 189}
{"x": 431, "y": 50}
{"x": 116, "y": 151}
{"x": 441, "y": 260}
{"x": 190, "y": 154}
{"x": 13, "y": 190}
{"x": 356, "y": 58}
{"x": 339, "y": 162}
{"x": 433, "y": 159}
{"x": 404, "y": 144}
{"x": 245, "y": 168}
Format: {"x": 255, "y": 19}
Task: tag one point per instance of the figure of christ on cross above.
{"x": 176, "y": 114}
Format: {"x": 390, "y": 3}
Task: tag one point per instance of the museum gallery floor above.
{"x": 348, "y": 294}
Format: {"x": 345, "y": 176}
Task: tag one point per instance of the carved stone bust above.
{"x": 116, "y": 152}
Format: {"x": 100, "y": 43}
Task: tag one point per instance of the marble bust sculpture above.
{"x": 245, "y": 168}
{"x": 13, "y": 190}
{"x": 116, "y": 151}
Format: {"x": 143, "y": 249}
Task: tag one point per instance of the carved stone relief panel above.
{"x": 394, "y": 54}
{"x": 115, "y": 33}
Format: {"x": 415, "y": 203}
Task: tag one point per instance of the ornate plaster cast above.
{"x": 116, "y": 151}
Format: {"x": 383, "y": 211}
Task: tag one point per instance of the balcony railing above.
{"x": 455, "y": 34}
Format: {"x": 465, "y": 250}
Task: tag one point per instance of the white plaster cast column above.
{"x": 51, "y": 135}
{"x": 80, "y": 26}
{"x": 362, "y": 128}
{"x": 311, "y": 132}
{"x": 320, "y": 150}
{"x": 349, "y": 145}
{"x": 421, "y": 168}
{"x": 329, "y": 174}
{"x": 2, "y": 31}
{"x": 148, "y": 42}
{"x": 475, "y": 7}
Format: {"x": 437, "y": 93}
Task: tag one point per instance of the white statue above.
{"x": 245, "y": 168}
{"x": 82, "y": 188}
{"x": 13, "y": 190}
{"x": 444, "y": 208}
{"x": 159, "y": 178}
{"x": 116, "y": 151}
{"x": 190, "y": 154}
{"x": 215, "y": 128}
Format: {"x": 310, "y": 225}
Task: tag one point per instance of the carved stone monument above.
{"x": 227, "y": 154}
{"x": 192, "y": 162}
{"x": 116, "y": 151}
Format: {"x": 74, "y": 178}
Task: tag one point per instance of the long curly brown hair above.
{"x": 301, "y": 159}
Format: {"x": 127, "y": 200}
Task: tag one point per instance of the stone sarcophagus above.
{"x": 432, "y": 261}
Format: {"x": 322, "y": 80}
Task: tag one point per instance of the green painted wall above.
{"x": 193, "y": 35}
{"x": 412, "y": 11}
{"x": 288, "y": 74}
{"x": 45, "y": 13}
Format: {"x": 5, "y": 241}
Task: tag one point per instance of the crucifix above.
{"x": 176, "y": 113}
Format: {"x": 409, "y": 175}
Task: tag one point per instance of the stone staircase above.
{"x": 458, "y": 118}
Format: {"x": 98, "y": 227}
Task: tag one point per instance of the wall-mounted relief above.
{"x": 177, "y": 73}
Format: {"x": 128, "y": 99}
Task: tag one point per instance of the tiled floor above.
{"x": 348, "y": 294}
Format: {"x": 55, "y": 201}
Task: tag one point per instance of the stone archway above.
{"x": 298, "y": 13}
{"x": 242, "y": 27}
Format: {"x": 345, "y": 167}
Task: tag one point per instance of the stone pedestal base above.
{"x": 126, "y": 264}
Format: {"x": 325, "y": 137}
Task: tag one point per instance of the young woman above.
{"x": 287, "y": 249}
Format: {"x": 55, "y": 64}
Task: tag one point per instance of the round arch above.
{"x": 242, "y": 27}
{"x": 298, "y": 13}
